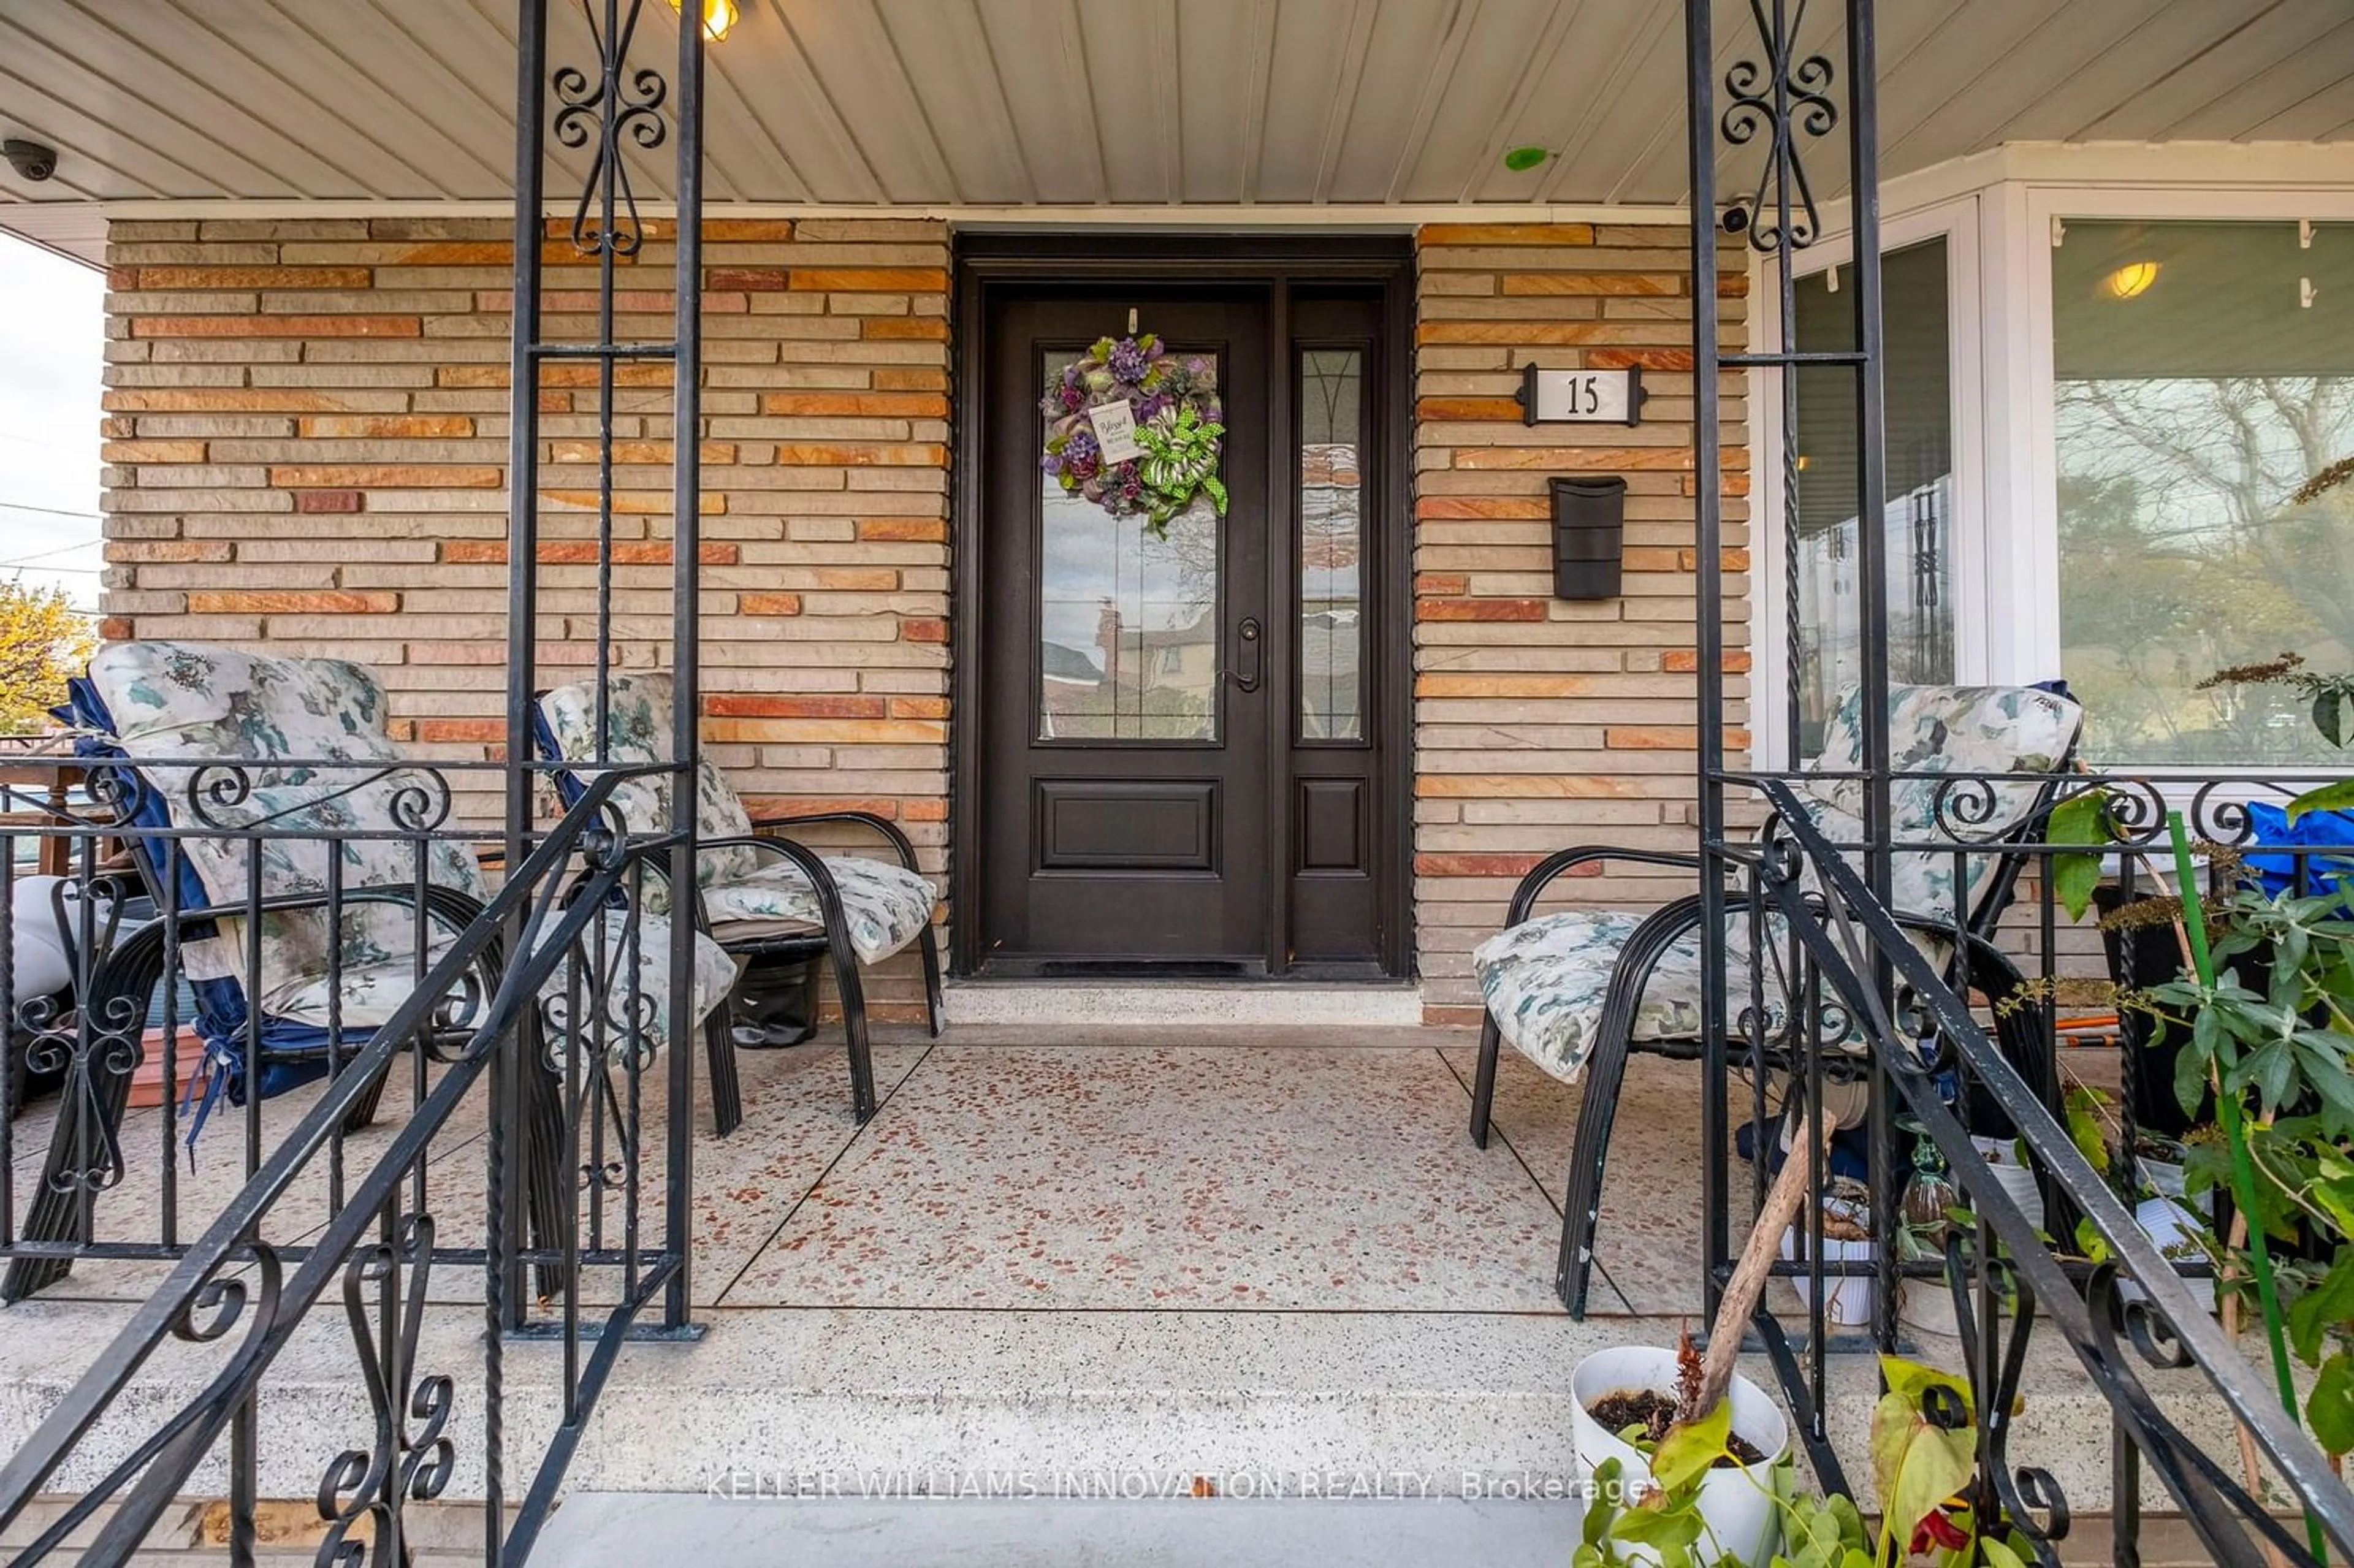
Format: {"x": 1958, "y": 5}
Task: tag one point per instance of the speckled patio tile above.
{"x": 797, "y": 1119}
{"x": 206, "y": 1178}
{"x": 1648, "y": 1246}
{"x": 1168, "y": 1176}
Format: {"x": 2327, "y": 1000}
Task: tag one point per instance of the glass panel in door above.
{"x": 1331, "y": 534}
{"x": 1127, "y": 623}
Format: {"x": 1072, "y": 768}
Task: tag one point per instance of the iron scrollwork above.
{"x": 1787, "y": 96}
{"x": 618, "y": 104}
{"x": 411, "y": 1455}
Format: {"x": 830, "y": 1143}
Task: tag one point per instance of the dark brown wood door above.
{"x": 1130, "y": 700}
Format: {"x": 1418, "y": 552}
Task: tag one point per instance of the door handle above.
{"x": 1247, "y": 657}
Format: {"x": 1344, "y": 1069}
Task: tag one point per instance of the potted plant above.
{"x": 1848, "y": 1299}
{"x": 1624, "y": 1404}
{"x": 1689, "y": 1463}
{"x": 2280, "y": 1065}
{"x": 1670, "y": 1499}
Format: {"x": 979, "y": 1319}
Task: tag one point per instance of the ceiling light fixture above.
{"x": 718, "y": 16}
{"x": 2130, "y": 282}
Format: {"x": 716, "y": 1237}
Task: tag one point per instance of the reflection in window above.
{"x": 2196, "y": 391}
{"x": 1331, "y": 534}
{"x": 1918, "y": 524}
{"x": 1127, "y": 623}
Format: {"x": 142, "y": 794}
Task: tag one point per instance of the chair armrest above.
{"x": 890, "y": 830}
{"x": 1532, "y": 885}
{"x": 445, "y": 907}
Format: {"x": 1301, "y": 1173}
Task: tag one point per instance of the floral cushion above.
{"x": 1544, "y": 982}
{"x": 884, "y": 905}
{"x": 370, "y": 994}
{"x": 637, "y": 716}
{"x": 744, "y": 891}
{"x": 190, "y": 701}
{"x": 1944, "y": 729}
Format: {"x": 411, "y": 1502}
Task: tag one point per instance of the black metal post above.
{"x": 1708, "y": 640}
{"x": 686, "y": 474}
{"x": 1872, "y": 568}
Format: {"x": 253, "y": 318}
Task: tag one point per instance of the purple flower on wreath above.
{"x": 1127, "y": 361}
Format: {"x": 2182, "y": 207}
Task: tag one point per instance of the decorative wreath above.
{"x": 1178, "y": 427}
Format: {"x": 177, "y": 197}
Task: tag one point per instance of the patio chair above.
{"x": 765, "y": 897}
{"x": 1575, "y": 991}
{"x": 219, "y": 747}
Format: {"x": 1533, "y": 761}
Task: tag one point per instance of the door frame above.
{"x": 986, "y": 263}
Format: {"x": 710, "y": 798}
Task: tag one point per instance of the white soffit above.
{"x": 1016, "y": 104}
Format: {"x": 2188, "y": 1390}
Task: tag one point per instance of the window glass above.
{"x": 2203, "y": 376}
{"x": 1917, "y": 521}
{"x": 1331, "y": 534}
{"x": 1127, "y": 623}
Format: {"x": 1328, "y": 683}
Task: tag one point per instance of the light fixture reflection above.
{"x": 718, "y": 16}
{"x": 2131, "y": 281}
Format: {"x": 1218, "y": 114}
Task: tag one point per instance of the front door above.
{"x": 1177, "y": 743}
{"x": 1126, "y": 704}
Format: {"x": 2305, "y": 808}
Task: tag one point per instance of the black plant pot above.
{"x": 2141, "y": 957}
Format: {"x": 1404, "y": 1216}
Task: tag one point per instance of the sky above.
{"x": 52, "y": 348}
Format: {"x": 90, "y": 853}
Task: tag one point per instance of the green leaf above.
{"x": 1914, "y": 1380}
{"x": 1998, "y": 1555}
{"x": 2330, "y": 1409}
{"x": 2329, "y": 714}
{"x": 1520, "y": 160}
{"x": 2073, "y": 878}
{"x": 1916, "y": 1465}
{"x": 2078, "y": 820}
{"x": 2327, "y": 1305}
{"x": 1666, "y": 1531}
{"x": 1604, "y": 1504}
{"x": 2190, "y": 1080}
{"x": 1690, "y": 1447}
{"x": 2336, "y": 797}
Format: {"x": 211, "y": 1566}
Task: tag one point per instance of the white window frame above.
{"x": 1957, "y": 221}
{"x": 2026, "y": 273}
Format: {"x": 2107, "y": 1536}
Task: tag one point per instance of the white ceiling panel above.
{"x": 1012, "y": 103}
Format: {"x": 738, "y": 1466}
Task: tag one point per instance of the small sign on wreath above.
{"x": 1137, "y": 430}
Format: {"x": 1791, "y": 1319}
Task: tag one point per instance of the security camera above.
{"x": 30, "y": 159}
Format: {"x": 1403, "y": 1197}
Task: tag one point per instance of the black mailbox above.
{"x": 1589, "y": 529}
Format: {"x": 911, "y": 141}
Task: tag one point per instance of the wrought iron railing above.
{"x": 1945, "y": 1030}
{"x": 538, "y": 1035}
{"x": 536, "y": 1051}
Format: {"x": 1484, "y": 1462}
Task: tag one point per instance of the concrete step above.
{"x": 1246, "y": 1003}
{"x": 1109, "y": 1404}
{"x": 610, "y": 1529}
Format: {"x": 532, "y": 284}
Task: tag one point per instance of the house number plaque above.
{"x": 1581, "y": 397}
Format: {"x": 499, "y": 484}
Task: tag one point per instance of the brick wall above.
{"x": 306, "y": 428}
{"x": 1541, "y": 722}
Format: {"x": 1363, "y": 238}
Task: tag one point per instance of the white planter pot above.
{"x": 1847, "y": 1299}
{"x": 2164, "y": 1177}
{"x": 1927, "y": 1306}
{"x": 2018, "y": 1181}
{"x": 1737, "y": 1507}
{"x": 2168, "y": 1223}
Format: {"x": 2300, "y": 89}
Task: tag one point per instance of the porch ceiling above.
{"x": 940, "y": 103}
